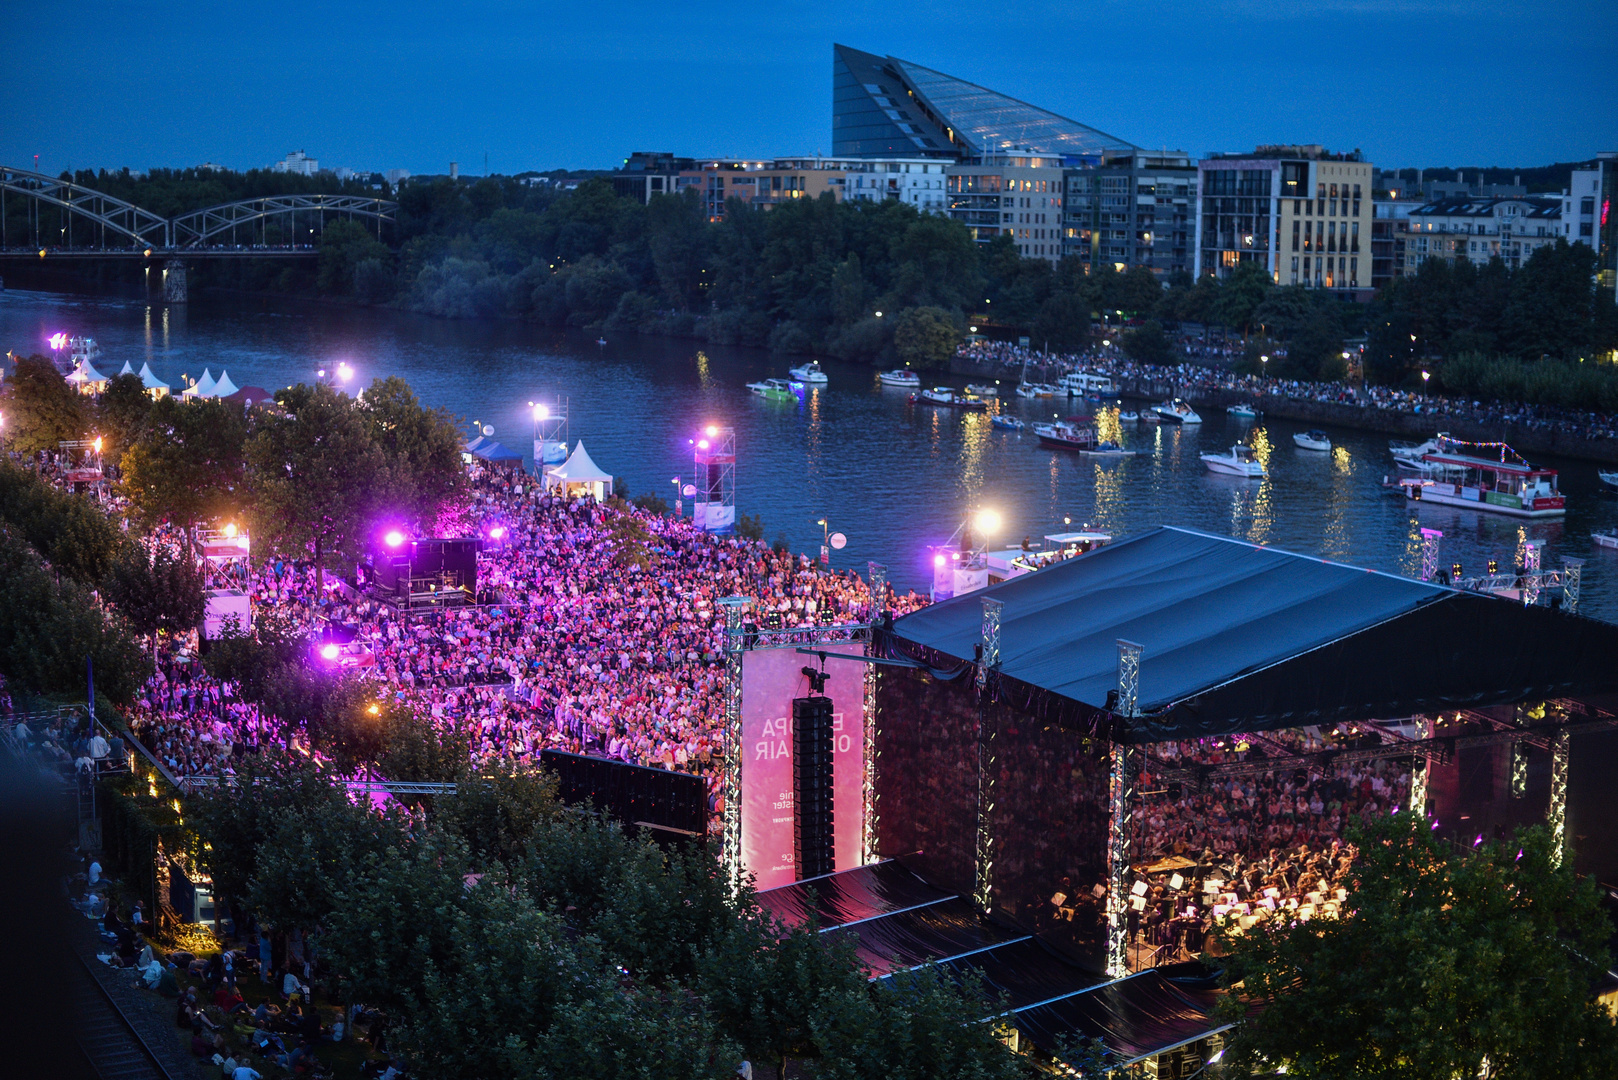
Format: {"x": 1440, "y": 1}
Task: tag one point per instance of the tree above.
{"x": 1444, "y": 963}
{"x": 924, "y": 337}
{"x": 1240, "y": 295}
{"x": 120, "y": 412}
{"x": 1147, "y": 344}
{"x": 160, "y": 591}
{"x": 188, "y": 464}
{"x": 40, "y": 407}
{"x": 344, "y": 246}
{"x": 422, "y": 451}
{"x": 72, "y": 533}
{"x": 313, "y": 471}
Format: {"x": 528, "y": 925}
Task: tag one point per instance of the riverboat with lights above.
{"x": 1487, "y": 476}
{"x": 1069, "y": 434}
{"x": 773, "y": 390}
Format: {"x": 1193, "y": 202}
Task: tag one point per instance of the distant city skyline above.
{"x": 1411, "y": 83}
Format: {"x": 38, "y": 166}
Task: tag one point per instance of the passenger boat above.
{"x": 900, "y": 377}
{"x": 947, "y": 397}
{"x": 1240, "y": 461}
{"x": 1083, "y": 384}
{"x": 1177, "y": 411}
{"x": 1066, "y": 435}
{"x": 1504, "y": 482}
{"x": 1007, "y": 423}
{"x": 808, "y": 373}
{"x": 1108, "y": 451}
{"x": 773, "y": 390}
{"x": 984, "y": 389}
{"x": 1608, "y": 539}
{"x": 1609, "y": 478}
{"x": 1312, "y": 440}
{"x": 1128, "y": 416}
{"x": 1245, "y": 412}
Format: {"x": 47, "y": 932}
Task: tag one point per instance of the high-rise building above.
{"x": 1137, "y": 208}
{"x": 884, "y": 107}
{"x": 1301, "y": 213}
{"x": 297, "y": 162}
{"x": 1587, "y": 216}
{"x": 1018, "y": 195}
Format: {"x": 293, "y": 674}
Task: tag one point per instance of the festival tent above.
{"x": 154, "y": 386}
{"x": 496, "y": 454}
{"x": 250, "y": 395}
{"x": 224, "y": 387}
{"x": 202, "y": 388}
{"x": 87, "y": 378}
{"x": 126, "y": 369}
{"x": 1238, "y": 637}
{"x": 578, "y": 475}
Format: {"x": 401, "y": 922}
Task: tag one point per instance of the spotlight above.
{"x": 394, "y": 538}
{"x": 329, "y": 651}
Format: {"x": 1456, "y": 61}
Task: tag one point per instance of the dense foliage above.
{"x": 1445, "y": 964}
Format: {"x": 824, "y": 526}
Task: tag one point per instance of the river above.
{"x": 893, "y": 477}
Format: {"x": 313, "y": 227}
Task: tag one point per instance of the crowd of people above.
{"x": 1207, "y": 368}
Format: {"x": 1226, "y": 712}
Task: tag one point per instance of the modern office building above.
{"x": 1480, "y": 229}
{"x": 1300, "y": 212}
{"x": 1137, "y": 208}
{"x": 884, "y": 107}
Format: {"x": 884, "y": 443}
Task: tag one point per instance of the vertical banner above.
{"x": 771, "y": 678}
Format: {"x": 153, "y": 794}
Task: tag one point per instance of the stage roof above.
{"x": 1240, "y": 637}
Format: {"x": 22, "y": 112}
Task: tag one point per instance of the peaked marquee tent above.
{"x": 579, "y": 475}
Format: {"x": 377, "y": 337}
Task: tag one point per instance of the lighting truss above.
{"x": 1418, "y": 768}
{"x": 1429, "y": 553}
{"x": 983, "y": 861}
{"x": 1120, "y": 799}
{"x": 878, "y": 579}
{"x": 1556, "y": 817}
{"x": 735, "y": 608}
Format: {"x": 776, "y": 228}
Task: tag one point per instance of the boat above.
{"x": 937, "y": 395}
{"x": 1312, "y": 440}
{"x": 984, "y": 389}
{"x": 1108, "y": 451}
{"x": 1240, "y": 461}
{"x": 1128, "y": 416}
{"x": 773, "y": 390}
{"x": 1488, "y": 476}
{"x": 947, "y": 397}
{"x": 1413, "y": 451}
{"x": 1608, "y": 539}
{"x": 1007, "y": 423}
{"x": 900, "y": 377}
{"x": 1609, "y": 478}
{"x": 1083, "y": 384}
{"x": 808, "y": 373}
{"x": 1066, "y": 435}
{"x": 1177, "y": 411}
{"x": 1246, "y": 412}
{"x": 1150, "y": 417}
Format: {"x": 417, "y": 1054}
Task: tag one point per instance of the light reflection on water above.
{"x": 891, "y": 475}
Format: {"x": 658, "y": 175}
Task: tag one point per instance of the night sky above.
{"x": 579, "y": 85}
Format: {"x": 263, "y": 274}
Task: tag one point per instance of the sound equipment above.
{"x": 671, "y": 806}
{"x": 812, "y": 819}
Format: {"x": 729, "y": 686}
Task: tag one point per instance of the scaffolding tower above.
{"x": 714, "y": 506}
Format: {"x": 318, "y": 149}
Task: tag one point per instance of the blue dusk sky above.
{"x": 579, "y": 85}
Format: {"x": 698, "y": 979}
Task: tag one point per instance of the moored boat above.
{"x": 773, "y": 390}
{"x": 1312, "y": 440}
{"x": 1066, "y": 435}
{"x": 1128, "y": 416}
{"x": 1007, "y": 423}
{"x": 984, "y": 389}
{"x": 1107, "y": 451}
{"x": 1487, "y": 476}
{"x": 900, "y": 377}
{"x": 1083, "y": 384}
{"x": 1245, "y": 412}
{"x": 1608, "y": 539}
{"x": 808, "y": 373}
{"x": 1608, "y": 478}
{"x": 1177, "y": 411}
{"x": 947, "y": 397}
{"x": 1238, "y": 461}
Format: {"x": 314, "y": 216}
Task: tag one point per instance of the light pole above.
{"x": 825, "y": 542}
{"x": 679, "y": 504}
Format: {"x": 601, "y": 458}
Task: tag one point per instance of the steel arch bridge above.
{"x": 195, "y": 233}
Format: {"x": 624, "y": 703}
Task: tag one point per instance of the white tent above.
{"x": 154, "y": 386}
{"x": 224, "y": 387}
{"x": 87, "y": 378}
{"x": 203, "y": 387}
{"x": 578, "y": 475}
{"x": 127, "y": 370}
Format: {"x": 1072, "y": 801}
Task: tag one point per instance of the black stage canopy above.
{"x": 1240, "y": 637}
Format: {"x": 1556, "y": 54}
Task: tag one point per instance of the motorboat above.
{"x": 1083, "y": 384}
{"x": 1312, "y": 440}
{"x": 1239, "y": 461}
{"x": 984, "y": 389}
{"x": 1150, "y": 417}
{"x": 1007, "y": 423}
{"x": 1413, "y": 451}
{"x": 773, "y": 390}
{"x": 1107, "y": 451}
{"x": 808, "y": 373}
{"x": 1128, "y": 416}
{"x": 947, "y": 397}
{"x": 1177, "y": 411}
{"x": 1035, "y": 390}
{"x": 1502, "y": 482}
{"x": 1608, "y": 539}
{"x": 1066, "y": 435}
{"x": 1245, "y": 412}
{"x": 1609, "y": 478}
{"x": 900, "y": 377}
{"x": 938, "y": 395}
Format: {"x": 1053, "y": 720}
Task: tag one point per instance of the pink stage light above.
{"x": 329, "y": 652}
{"x": 394, "y": 538}
{"x": 938, "y": 560}
{"x": 703, "y": 445}
{"x": 497, "y": 532}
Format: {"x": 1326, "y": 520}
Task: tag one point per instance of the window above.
{"x": 1295, "y": 225}
{"x": 1585, "y": 228}
{"x": 1587, "y": 205}
{"x": 1333, "y": 192}
{"x": 1356, "y": 206}
{"x": 1320, "y": 192}
{"x": 1355, "y": 235}
{"x": 1331, "y": 236}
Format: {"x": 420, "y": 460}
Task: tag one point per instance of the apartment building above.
{"x": 1480, "y": 229}
{"x": 1017, "y": 194}
{"x": 1136, "y": 208}
{"x": 1302, "y": 213}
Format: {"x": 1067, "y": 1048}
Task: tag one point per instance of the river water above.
{"x": 892, "y": 476}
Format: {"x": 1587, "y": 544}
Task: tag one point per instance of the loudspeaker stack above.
{"x": 812, "y": 786}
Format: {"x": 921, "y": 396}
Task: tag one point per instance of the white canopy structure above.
{"x": 126, "y": 370}
{"x": 578, "y": 475}
{"x": 224, "y": 387}
{"x": 87, "y": 378}
{"x": 154, "y": 386}
{"x": 203, "y": 387}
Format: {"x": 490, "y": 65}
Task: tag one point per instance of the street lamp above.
{"x": 1424, "y": 377}
{"x": 679, "y": 504}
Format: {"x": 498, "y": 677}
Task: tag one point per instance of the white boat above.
{"x": 1504, "y": 482}
{"x": 1177, "y": 411}
{"x": 938, "y": 395}
{"x": 1240, "y": 461}
{"x": 984, "y": 389}
{"x": 900, "y": 377}
{"x": 808, "y": 373}
{"x": 1083, "y": 384}
{"x": 1066, "y": 435}
{"x": 1128, "y": 416}
{"x": 1030, "y": 390}
{"x": 1608, "y": 539}
{"x": 1413, "y": 451}
{"x": 1609, "y": 478}
{"x": 1007, "y": 423}
{"x": 944, "y": 395}
{"x": 1246, "y": 412}
{"x": 773, "y": 389}
{"x": 1312, "y": 440}
{"x": 1150, "y": 417}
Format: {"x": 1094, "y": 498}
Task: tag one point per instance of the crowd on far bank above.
{"x": 1206, "y": 368}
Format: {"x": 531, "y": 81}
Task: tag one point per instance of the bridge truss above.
{"x": 206, "y": 227}
{"x": 141, "y": 228}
